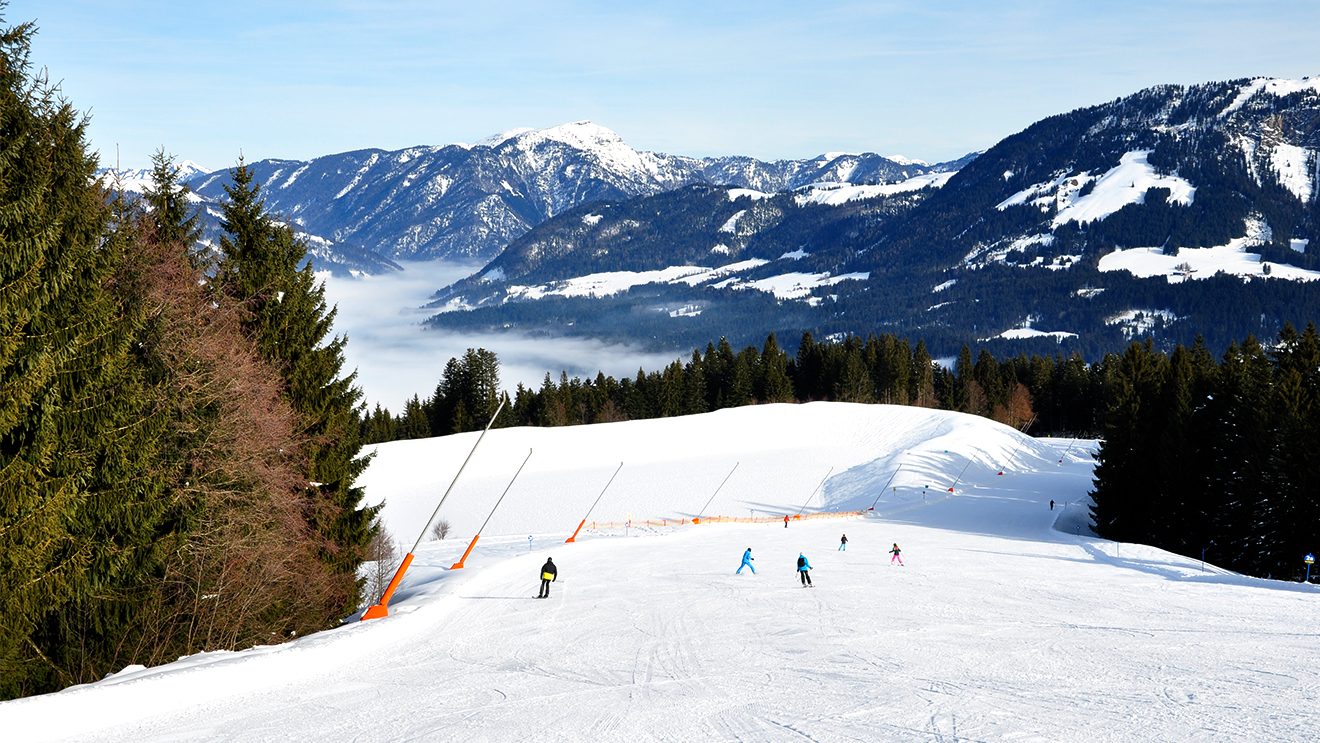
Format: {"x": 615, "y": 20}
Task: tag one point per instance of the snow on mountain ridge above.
{"x": 1125, "y": 183}
{"x": 1277, "y": 87}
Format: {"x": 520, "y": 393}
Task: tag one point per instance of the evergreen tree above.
{"x": 921, "y": 387}
{"x": 1295, "y": 473}
{"x": 1124, "y": 491}
{"x": 413, "y": 423}
{"x": 291, "y": 323}
{"x": 176, "y": 222}
{"x": 1242, "y": 515}
{"x": 695, "y": 394}
{"x": 773, "y": 383}
{"x": 79, "y": 509}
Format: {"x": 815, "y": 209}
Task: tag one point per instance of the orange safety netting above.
{"x": 598, "y": 525}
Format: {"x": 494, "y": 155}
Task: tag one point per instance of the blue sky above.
{"x": 931, "y": 80}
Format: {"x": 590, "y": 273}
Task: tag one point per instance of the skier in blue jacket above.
{"x": 747, "y": 562}
{"x": 803, "y": 566}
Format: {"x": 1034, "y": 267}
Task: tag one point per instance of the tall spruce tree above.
{"x": 175, "y": 220}
{"x": 1245, "y": 514}
{"x": 289, "y": 319}
{"x": 1295, "y": 473}
{"x": 773, "y": 383}
{"x": 1125, "y": 493}
{"x": 78, "y": 510}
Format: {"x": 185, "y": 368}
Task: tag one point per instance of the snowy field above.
{"x": 1008, "y": 620}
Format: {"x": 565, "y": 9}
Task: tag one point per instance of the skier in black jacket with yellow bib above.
{"x": 548, "y": 573}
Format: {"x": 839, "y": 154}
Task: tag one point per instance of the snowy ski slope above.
{"x": 1008, "y": 621}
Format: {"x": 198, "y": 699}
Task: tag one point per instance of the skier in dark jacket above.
{"x": 843, "y": 543}
{"x": 548, "y": 573}
{"x": 803, "y": 566}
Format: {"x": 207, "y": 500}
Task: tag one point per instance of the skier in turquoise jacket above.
{"x": 747, "y": 562}
{"x": 803, "y": 566}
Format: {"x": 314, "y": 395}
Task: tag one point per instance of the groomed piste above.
{"x": 1008, "y": 620}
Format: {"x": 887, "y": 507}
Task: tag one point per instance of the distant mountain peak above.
{"x": 582, "y": 135}
{"x": 905, "y": 160}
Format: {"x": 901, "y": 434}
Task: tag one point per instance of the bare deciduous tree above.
{"x": 441, "y": 529}
{"x": 382, "y": 562}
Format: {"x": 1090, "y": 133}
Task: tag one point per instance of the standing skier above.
{"x": 785, "y": 521}
{"x": 747, "y": 562}
{"x": 843, "y": 543}
{"x": 548, "y": 573}
{"x": 1051, "y": 505}
{"x": 803, "y": 566}
{"x": 896, "y": 552}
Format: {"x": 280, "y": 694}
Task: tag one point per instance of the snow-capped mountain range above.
{"x": 1089, "y": 228}
{"x": 470, "y": 201}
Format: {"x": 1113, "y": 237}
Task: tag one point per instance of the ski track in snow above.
{"x": 1008, "y": 620}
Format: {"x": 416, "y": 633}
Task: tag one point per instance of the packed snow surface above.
{"x": 1007, "y": 621}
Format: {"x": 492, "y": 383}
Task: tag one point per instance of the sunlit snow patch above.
{"x": 1121, "y": 185}
{"x": 793, "y": 285}
{"x": 740, "y": 193}
{"x": 1294, "y": 167}
{"x": 1202, "y": 263}
{"x": 838, "y": 194}
{"x": 732, "y": 223}
{"x": 1135, "y": 323}
{"x": 1022, "y": 333}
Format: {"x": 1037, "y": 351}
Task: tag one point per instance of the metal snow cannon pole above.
{"x": 381, "y": 609}
{"x": 464, "y": 558}
{"x": 573, "y": 538}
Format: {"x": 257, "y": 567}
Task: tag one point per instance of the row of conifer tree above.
{"x": 178, "y": 443}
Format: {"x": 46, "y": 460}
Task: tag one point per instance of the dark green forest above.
{"x": 178, "y": 441}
